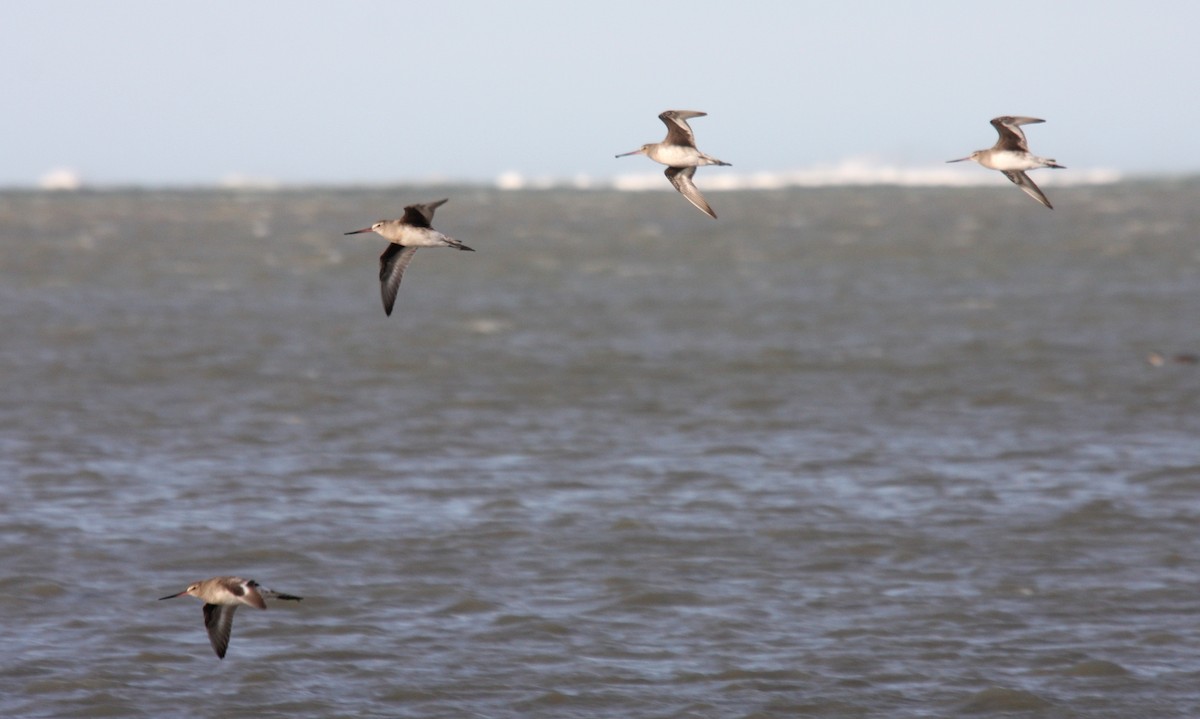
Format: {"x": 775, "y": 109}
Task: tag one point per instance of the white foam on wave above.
{"x": 513, "y": 180}
{"x": 856, "y": 172}
{"x": 239, "y": 181}
{"x": 60, "y": 178}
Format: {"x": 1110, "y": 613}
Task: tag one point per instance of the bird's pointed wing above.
{"x": 262, "y": 591}
{"x": 391, "y": 269}
{"x": 421, "y": 215}
{"x": 247, "y": 591}
{"x": 218, "y": 620}
{"x": 681, "y": 178}
{"x": 1021, "y": 180}
{"x": 1012, "y": 137}
{"x": 678, "y": 131}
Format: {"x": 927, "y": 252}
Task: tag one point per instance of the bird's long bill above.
{"x": 631, "y": 152}
{"x": 356, "y": 232}
{"x": 172, "y": 596}
{"x": 961, "y": 159}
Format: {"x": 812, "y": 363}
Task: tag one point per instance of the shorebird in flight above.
{"x": 678, "y": 152}
{"x": 406, "y": 235}
{"x": 1011, "y": 155}
{"x": 222, "y": 596}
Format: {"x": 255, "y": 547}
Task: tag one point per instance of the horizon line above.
{"x": 845, "y": 174}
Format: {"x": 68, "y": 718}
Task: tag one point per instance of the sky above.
{"x": 151, "y": 93}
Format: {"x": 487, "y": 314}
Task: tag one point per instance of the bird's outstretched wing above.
{"x": 678, "y": 131}
{"x": 218, "y": 620}
{"x": 1012, "y": 137}
{"x": 421, "y": 215}
{"x": 681, "y": 178}
{"x": 391, "y": 269}
{"x": 1021, "y": 180}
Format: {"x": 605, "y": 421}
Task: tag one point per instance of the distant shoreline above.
{"x": 651, "y": 182}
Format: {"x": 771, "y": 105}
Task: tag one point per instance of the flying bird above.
{"x": 222, "y": 596}
{"x": 406, "y": 234}
{"x": 1011, "y": 155}
{"x": 678, "y": 152}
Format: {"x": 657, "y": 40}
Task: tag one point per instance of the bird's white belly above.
{"x": 422, "y": 237}
{"x": 676, "y": 155}
{"x": 1012, "y": 161}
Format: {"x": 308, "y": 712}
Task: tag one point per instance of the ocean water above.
{"x": 850, "y": 452}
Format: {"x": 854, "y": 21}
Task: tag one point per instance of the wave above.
{"x": 848, "y": 172}
{"x": 860, "y": 171}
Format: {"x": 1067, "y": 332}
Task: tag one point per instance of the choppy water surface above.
{"x": 842, "y": 453}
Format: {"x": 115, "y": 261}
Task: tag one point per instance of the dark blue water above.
{"x": 843, "y": 453}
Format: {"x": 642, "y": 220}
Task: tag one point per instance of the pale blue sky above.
{"x": 150, "y": 92}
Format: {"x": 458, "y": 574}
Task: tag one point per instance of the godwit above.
{"x": 222, "y": 596}
{"x": 1158, "y": 359}
{"x": 678, "y": 152}
{"x": 406, "y": 235}
{"x": 1011, "y": 155}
